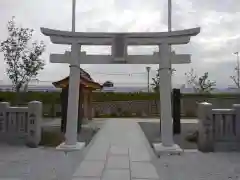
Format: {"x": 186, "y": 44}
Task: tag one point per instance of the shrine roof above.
{"x": 86, "y": 80}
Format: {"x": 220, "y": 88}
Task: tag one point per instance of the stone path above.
{"x": 119, "y": 152}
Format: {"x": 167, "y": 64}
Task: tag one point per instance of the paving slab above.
{"x": 97, "y": 154}
{"x": 118, "y": 162}
{"x": 139, "y": 155}
{"x": 87, "y": 178}
{"x": 90, "y": 169}
{"x": 115, "y": 153}
{"x": 116, "y": 174}
{"x": 116, "y": 150}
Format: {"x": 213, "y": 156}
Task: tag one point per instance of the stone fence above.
{"x": 189, "y": 106}
{"x": 219, "y": 129}
{"x": 21, "y": 125}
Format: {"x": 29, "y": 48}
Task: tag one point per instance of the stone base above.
{"x": 160, "y": 149}
{"x": 68, "y": 148}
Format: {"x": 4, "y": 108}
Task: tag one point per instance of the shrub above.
{"x": 110, "y": 96}
{"x": 190, "y": 114}
{"x": 113, "y": 114}
{"x": 54, "y": 97}
{"x": 31, "y": 145}
{"x": 96, "y": 114}
{"x": 126, "y": 114}
{"x": 45, "y": 97}
{"x": 193, "y": 137}
{"x": 51, "y": 138}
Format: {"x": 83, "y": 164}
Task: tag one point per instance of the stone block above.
{"x": 116, "y": 150}
{"x": 236, "y": 107}
{"x": 97, "y": 153}
{"x": 205, "y": 129}
{"x": 83, "y": 178}
{"x": 118, "y": 162}
{"x": 116, "y": 174}
{"x": 34, "y": 122}
{"x": 162, "y": 150}
{"x": 90, "y": 169}
{"x": 139, "y": 155}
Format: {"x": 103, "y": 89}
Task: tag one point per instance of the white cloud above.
{"x": 211, "y": 50}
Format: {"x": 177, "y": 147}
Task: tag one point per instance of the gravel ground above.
{"x": 192, "y": 164}
{"x": 53, "y": 125}
{"x": 35, "y": 164}
{"x": 43, "y": 163}
{"x": 152, "y": 132}
{"x": 199, "y": 166}
{"x": 48, "y": 164}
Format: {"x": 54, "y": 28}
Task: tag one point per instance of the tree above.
{"x": 200, "y": 84}
{"x": 236, "y": 77}
{"x": 156, "y": 80}
{"x": 22, "y": 59}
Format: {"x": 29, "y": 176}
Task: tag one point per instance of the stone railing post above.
{"x": 236, "y": 107}
{"x": 3, "y": 109}
{"x": 34, "y": 123}
{"x": 205, "y": 129}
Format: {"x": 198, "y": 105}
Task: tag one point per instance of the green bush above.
{"x": 207, "y": 95}
{"x": 190, "y": 114}
{"x": 45, "y": 97}
{"x": 113, "y": 114}
{"x": 51, "y": 138}
{"x": 126, "y": 114}
{"x": 54, "y": 97}
{"x": 110, "y": 96}
{"x": 193, "y": 137}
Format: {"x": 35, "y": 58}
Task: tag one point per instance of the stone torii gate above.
{"x": 119, "y": 43}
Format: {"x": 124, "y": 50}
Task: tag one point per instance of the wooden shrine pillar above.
{"x": 176, "y": 111}
{"x": 85, "y": 104}
{"x": 90, "y": 105}
{"x": 64, "y": 105}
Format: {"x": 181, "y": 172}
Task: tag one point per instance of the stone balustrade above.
{"x": 21, "y": 125}
{"x": 219, "y": 129}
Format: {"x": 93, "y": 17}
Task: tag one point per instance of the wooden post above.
{"x": 90, "y": 105}
{"x": 176, "y": 111}
{"x": 85, "y": 106}
{"x": 64, "y": 104}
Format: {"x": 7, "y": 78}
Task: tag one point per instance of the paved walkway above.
{"x": 119, "y": 152}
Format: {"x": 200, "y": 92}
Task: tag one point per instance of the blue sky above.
{"x": 212, "y": 50}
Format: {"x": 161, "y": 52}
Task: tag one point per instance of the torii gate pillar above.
{"x": 167, "y": 145}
